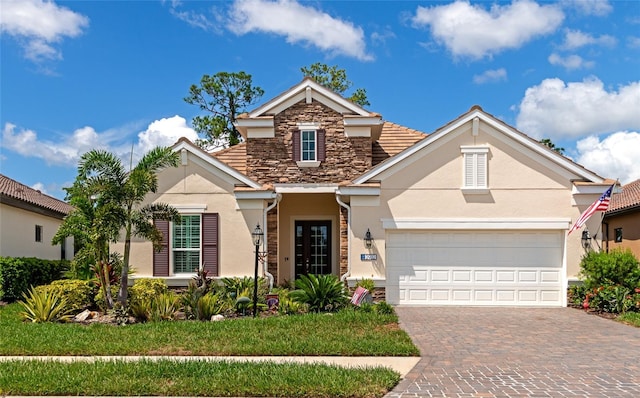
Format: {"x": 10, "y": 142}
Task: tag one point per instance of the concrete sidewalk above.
{"x": 401, "y": 365}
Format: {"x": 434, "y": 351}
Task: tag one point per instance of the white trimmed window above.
{"x": 308, "y": 145}
{"x": 186, "y": 244}
{"x": 475, "y": 168}
{"x": 308, "y": 141}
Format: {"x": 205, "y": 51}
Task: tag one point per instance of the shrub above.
{"x": 78, "y": 294}
{"x": 17, "y": 274}
{"x": 384, "y": 308}
{"x": 164, "y": 307}
{"x": 577, "y": 294}
{"x": 101, "y": 301}
{"x": 619, "y": 267}
{"x": 613, "y": 299}
{"x": 367, "y": 284}
{"x": 43, "y": 306}
{"x": 320, "y": 292}
{"x": 146, "y": 289}
{"x": 211, "y": 304}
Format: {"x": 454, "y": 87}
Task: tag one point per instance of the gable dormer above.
{"x": 308, "y": 134}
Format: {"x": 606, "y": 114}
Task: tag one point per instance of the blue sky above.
{"x": 79, "y": 75}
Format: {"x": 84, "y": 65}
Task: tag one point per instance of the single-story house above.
{"x": 621, "y": 222}
{"x": 474, "y": 213}
{"x": 28, "y": 221}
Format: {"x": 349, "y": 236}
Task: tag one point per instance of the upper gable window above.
{"x": 475, "y": 169}
{"x": 308, "y": 145}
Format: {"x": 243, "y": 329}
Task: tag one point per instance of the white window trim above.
{"x": 172, "y": 248}
{"x": 476, "y": 152}
{"x": 309, "y": 126}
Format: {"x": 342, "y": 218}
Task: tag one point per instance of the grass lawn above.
{"x": 631, "y": 318}
{"x": 194, "y": 378}
{"x": 347, "y": 333}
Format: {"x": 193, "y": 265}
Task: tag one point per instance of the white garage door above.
{"x": 475, "y": 268}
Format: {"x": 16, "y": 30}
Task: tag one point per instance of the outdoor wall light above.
{"x": 368, "y": 240}
{"x": 586, "y": 239}
{"x": 257, "y": 239}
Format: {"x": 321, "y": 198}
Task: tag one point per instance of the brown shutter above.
{"x": 322, "y": 148}
{"x": 161, "y": 258}
{"x": 210, "y": 243}
{"x": 295, "y": 138}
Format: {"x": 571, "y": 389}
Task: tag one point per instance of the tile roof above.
{"x": 235, "y": 156}
{"x": 393, "y": 140}
{"x": 628, "y": 198}
{"x": 13, "y": 189}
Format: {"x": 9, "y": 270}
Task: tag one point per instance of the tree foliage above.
{"x": 547, "y": 142}
{"x": 223, "y": 96}
{"x": 336, "y": 80}
{"x": 107, "y": 200}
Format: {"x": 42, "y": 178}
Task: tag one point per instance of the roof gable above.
{"x": 473, "y": 117}
{"x": 627, "y": 199}
{"x": 308, "y": 90}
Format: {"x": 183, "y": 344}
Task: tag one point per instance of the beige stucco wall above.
{"x": 522, "y": 185}
{"x": 294, "y": 207}
{"x": 196, "y": 185}
{"x": 17, "y": 235}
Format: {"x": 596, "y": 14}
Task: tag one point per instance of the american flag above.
{"x": 602, "y": 204}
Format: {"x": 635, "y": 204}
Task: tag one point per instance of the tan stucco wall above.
{"x": 630, "y": 224}
{"x": 294, "y": 207}
{"x": 195, "y": 185}
{"x": 17, "y": 235}
{"x": 522, "y": 185}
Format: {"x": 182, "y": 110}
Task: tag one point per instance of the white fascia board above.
{"x": 350, "y": 120}
{"x": 252, "y": 195}
{"x": 359, "y": 191}
{"x": 190, "y": 208}
{"x": 556, "y": 158}
{"x": 212, "y": 164}
{"x": 298, "y": 93}
{"x": 476, "y": 223}
{"x": 306, "y": 188}
{"x": 589, "y": 189}
{"x": 263, "y": 121}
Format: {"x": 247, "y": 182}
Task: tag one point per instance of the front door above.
{"x": 313, "y": 247}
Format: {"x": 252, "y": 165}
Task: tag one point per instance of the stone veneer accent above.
{"x": 272, "y": 243}
{"x": 344, "y": 242}
{"x": 270, "y": 160}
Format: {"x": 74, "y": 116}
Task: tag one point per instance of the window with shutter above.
{"x": 161, "y": 258}
{"x": 210, "y": 243}
{"x": 475, "y": 176}
{"x": 308, "y": 142}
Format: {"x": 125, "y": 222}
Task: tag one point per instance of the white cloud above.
{"x": 556, "y": 109}
{"x": 470, "y": 30}
{"x": 39, "y": 24}
{"x": 570, "y": 62}
{"x": 616, "y": 156}
{"x": 633, "y": 42}
{"x": 67, "y": 150}
{"x": 490, "y": 76}
{"x": 194, "y": 19}
{"x": 574, "y": 39}
{"x": 591, "y": 7}
{"x": 299, "y": 24}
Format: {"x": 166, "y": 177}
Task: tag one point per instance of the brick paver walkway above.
{"x": 519, "y": 352}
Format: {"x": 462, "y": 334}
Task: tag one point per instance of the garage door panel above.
{"x": 475, "y": 267}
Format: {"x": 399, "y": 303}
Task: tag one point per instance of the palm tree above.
{"x": 116, "y": 198}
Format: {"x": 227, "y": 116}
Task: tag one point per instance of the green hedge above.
{"x": 17, "y": 274}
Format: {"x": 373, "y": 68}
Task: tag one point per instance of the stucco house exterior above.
{"x": 621, "y": 222}
{"x": 28, "y": 221}
{"x": 474, "y": 213}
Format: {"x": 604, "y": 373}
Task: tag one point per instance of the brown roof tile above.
{"x": 13, "y": 189}
{"x": 628, "y": 198}
{"x": 235, "y": 156}
{"x": 393, "y": 140}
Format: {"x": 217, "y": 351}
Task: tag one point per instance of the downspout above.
{"x": 346, "y": 206}
{"x": 265, "y": 263}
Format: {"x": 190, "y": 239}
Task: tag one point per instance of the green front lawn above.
{"x": 631, "y": 318}
{"x": 349, "y": 332}
{"x": 194, "y": 378}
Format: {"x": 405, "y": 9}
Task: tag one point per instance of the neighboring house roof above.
{"x": 625, "y": 200}
{"x": 19, "y": 195}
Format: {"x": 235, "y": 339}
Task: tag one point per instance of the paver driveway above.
{"x": 519, "y": 352}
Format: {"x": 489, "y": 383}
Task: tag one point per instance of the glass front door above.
{"x": 313, "y": 247}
